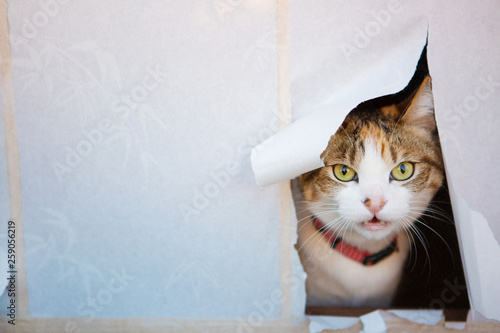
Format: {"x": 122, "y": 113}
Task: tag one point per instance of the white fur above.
{"x": 334, "y": 279}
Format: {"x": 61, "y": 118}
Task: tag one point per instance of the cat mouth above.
{"x": 374, "y": 224}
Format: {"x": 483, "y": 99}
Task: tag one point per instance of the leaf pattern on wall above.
{"x": 53, "y": 247}
{"x": 198, "y": 273}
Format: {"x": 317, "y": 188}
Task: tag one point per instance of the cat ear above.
{"x": 420, "y": 112}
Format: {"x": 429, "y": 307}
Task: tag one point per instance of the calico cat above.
{"x": 356, "y": 214}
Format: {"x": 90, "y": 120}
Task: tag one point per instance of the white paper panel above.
{"x": 135, "y": 123}
{"x": 463, "y": 59}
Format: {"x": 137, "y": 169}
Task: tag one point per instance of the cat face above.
{"x": 382, "y": 168}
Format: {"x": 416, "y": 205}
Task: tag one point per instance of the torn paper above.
{"x": 384, "y": 68}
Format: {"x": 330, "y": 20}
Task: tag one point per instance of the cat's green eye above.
{"x": 344, "y": 173}
{"x": 403, "y": 171}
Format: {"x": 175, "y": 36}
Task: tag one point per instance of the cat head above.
{"x": 382, "y": 168}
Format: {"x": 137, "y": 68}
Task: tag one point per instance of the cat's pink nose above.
{"x": 374, "y": 205}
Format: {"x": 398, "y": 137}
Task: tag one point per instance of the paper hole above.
{"x": 440, "y": 284}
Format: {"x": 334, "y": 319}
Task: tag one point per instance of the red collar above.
{"x": 352, "y": 252}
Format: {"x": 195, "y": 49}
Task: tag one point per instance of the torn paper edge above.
{"x": 375, "y": 321}
{"x": 276, "y": 159}
{"x": 479, "y": 249}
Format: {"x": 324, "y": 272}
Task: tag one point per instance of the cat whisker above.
{"x": 437, "y": 234}
{"x": 344, "y": 226}
{"x": 431, "y": 208}
{"x": 435, "y": 214}
{"x": 310, "y": 216}
{"x": 318, "y": 236}
{"x": 443, "y": 219}
{"x": 446, "y": 217}
{"x": 315, "y": 214}
{"x": 411, "y": 240}
{"x": 330, "y": 225}
{"x": 432, "y": 204}
{"x": 421, "y": 237}
{"x": 334, "y": 228}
